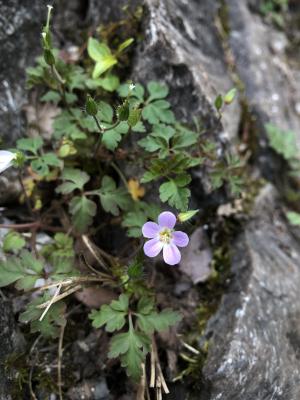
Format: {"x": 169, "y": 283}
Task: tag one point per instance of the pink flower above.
{"x": 163, "y": 237}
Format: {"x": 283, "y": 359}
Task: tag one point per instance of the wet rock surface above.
{"x": 254, "y": 351}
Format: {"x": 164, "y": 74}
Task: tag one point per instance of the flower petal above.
{"x": 180, "y": 239}
{"x": 171, "y": 254}
{"x": 167, "y": 220}
{"x": 6, "y": 158}
{"x": 153, "y": 247}
{"x": 150, "y": 230}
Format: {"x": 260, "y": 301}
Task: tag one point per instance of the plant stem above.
{"x": 27, "y": 200}
{"x": 120, "y": 173}
{"x": 59, "y": 361}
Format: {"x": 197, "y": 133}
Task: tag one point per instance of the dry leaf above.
{"x": 135, "y": 189}
{"x": 95, "y": 297}
{"x": 196, "y": 257}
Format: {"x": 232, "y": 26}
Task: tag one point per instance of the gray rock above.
{"x": 255, "y": 335}
{"x": 20, "y": 27}
{"x": 271, "y": 80}
{"x": 182, "y": 47}
{"x": 11, "y": 341}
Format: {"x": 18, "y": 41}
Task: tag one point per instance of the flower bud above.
{"x": 49, "y": 57}
{"x": 91, "y": 106}
{"x": 185, "y": 216}
{"x": 123, "y": 111}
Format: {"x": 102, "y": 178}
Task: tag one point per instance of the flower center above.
{"x": 165, "y": 235}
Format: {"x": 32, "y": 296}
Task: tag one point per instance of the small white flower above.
{"x": 6, "y": 159}
{"x": 131, "y": 86}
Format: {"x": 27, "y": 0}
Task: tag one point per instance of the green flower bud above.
{"x": 91, "y": 106}
{"x": 49, "y": 57}
{"x": 185, "y": 216}
{"x": 229, "y": 96}
{"x": 123, "y": 111}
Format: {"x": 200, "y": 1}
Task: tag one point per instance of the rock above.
{"x": 90, "y": 390}
{"x": 196, "y": 258}
{"x": 18, "y": 20}
{"x": 271, "y": 79}
{"x": 255, "y": 335}
{"x": 182, "y": 47}
{"x": 11, "y": 341}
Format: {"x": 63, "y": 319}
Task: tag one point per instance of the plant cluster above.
{"x": 117, "y": 156}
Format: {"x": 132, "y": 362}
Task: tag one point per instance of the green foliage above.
{"x": 133, "y": 345}
{"x": 112, "y": 199}
{"x": 24, "y": 269}
{"x": 113, "y": 315}
{"x": 82, "y": 210}
{"x": 62, "y": 247}
{"x": 283, "y": 142}
{"x": 13, "y": 242}
{"x": 74, "y": 179}
{"x": 128, "y": 138}
{"x": 52, "y": 321}
{"x": 293, "y": 218}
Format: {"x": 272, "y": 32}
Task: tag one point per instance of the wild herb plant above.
{"x": 119, "y": 157}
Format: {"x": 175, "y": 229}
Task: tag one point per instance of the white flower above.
{"x": 6, "y": 159}
{"x": 131, "y": 86}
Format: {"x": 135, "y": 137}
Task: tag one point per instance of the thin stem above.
{"x": 59, "y": 361}
{"x": 21, "y": 227}
{"x": 27, "y": 200}
{"x": 58, "y": 297}
{"x": 120, "y": 173}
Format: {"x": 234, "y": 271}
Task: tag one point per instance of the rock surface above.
{"x": 20, "y": 26}
{"x": 10, "y": 341}
{"x": 255, "y": 335}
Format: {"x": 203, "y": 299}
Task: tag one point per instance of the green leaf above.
{"x": 283, "y": 142}
{"x": 51, "y": 96}
{"x": 97, "y": 50}
{"x": 184, "y": 138}
{"x": 62, "y": 247}
{"x": 109, "y": 83}
{"x": 134, "y": 117}
{"x": 219, "y": 102}
{"x": 134, "y": 221}
{"x": 54, "y": 318}
{"x": 25, "y": 269}
{"x": 106, "y": 112}
{"x": 74, "y": 179}
{"x": 83, "y": 210}
{"x": 112, "y": 138}
{"x": 153, "y": 321}
{"x": 158, "y": 111}
{"x": 125, "y": 44}
{"x": 102, "y": 66}
{"x": 293, "y": 217}
{"x": 112, "y": 198}
{"x": 30, "y": 144}
{"x": 13, "y": 241}
{"x": 132, "y": 347}
{"x": 157, "y": 90}
{"x": 175, "y": 193}
{"x": 113, "y": 315}
{"x": 41, "y": 165}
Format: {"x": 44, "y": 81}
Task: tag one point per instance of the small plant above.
{"x": 274, "y": 11}
{"x": 102, "y": 162}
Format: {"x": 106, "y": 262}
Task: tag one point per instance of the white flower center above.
{"x": 165, "y": 235}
